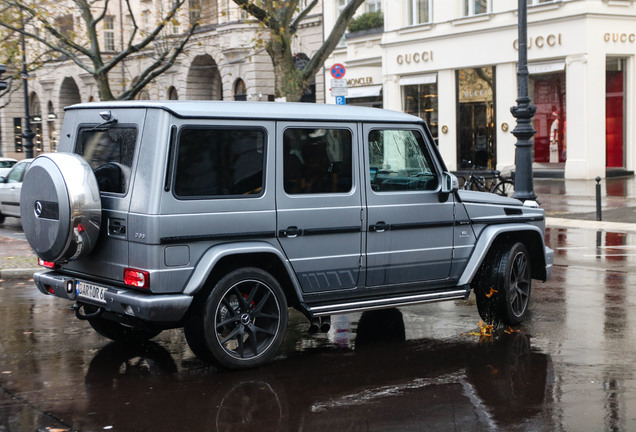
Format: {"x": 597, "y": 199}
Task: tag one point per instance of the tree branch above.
{"x": 155, "y": 70}
{"x": 293, "y": 27}
{"x": 320, "y": 56}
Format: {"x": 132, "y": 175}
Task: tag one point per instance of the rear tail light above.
{"x": 136, "y": 278}
{"x": 47, "y": 264}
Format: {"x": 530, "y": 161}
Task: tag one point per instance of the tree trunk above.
{"x": 103, "y": 86}
{"x": 288, "y": 80}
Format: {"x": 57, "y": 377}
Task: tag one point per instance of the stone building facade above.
{"x": 222, "y": 62}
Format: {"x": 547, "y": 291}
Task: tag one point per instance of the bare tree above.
{"x": 281, "y": 19}
{"x": 81, "y": 43}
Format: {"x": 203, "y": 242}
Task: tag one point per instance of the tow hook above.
{"x": 85, "y": 316}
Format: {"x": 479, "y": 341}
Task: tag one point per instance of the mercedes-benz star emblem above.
{"x": 38, "y": 208}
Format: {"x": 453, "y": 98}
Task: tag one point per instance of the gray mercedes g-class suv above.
{"x": 215, "y": 216}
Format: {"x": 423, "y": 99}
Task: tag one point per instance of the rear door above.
{"x": 319, "y": 206}
{"x": 410, "y": 232}
{"x": 111, "y": 149}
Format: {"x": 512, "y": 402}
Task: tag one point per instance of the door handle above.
{"x": 291, "y": 232}
{"x": 380, "y": 226}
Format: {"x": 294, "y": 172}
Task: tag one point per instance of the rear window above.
{"x": 220, "y": 162}
{"x": 7, "y": 164}
{"x": 110, "y": 152}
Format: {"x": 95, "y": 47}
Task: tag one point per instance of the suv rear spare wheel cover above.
{"x": 60, "y": 207}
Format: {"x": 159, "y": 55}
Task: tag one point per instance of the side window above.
{"x": 16, "y": 174}
{"x": 399, "y": 161}
{"x": 317, "y": 161}
{"x": 110, "y": 152}
{"x": 218, "y": 162}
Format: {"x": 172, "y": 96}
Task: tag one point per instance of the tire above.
{"x": 242, "y": 322}
{"x": 503, "y": 285}
{"x": 504, "y": 188}
{"x": 120, "y": 333}
{"x": 60, "y": 207}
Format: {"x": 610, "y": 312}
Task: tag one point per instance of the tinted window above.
{"x": 317, "y": 161}
{"x": 220, "y": 162}
{"x": 110, "y": 152}
{"x": 399, "y": 161}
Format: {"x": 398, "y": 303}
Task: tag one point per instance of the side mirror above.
{"x": 450, "y": 184}
{"x": 2, "y": 179}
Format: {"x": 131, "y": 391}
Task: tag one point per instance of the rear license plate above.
{"x": 90, "y": 291}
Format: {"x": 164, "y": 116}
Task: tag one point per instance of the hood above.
{"x": 468, "y": 196}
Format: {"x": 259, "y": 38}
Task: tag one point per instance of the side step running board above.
{"x": 459, "y": 293}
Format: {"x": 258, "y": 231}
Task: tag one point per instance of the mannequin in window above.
{"x": 554, "y": 136}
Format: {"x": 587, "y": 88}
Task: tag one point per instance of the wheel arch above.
{"x": 222, "y": 259}
{"x": 494, "y": 236}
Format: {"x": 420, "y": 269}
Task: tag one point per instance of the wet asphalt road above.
{"x": 570, "y": 367}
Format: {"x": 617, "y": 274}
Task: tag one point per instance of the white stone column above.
{"x": 392, "y": 93}
{"x": 447, "y": 105}
{"x": 506, "y": 97}
{"x": 585, "y": 129}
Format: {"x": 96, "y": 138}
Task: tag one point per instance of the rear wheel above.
{"x": 243, "y": 321}
{"x": 120, "y": 333}
{"x": 503, "y": 285}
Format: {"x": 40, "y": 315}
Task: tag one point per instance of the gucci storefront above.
{"x": 461, "y": 77}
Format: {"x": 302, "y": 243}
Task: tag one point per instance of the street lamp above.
{"x": 27, "y": 134}
{"x": 524, "y": 113}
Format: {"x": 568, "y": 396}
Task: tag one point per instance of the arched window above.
{"x": 240, "y": 90}
{"x": 172, "y": 93}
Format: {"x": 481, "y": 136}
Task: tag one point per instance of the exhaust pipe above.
{"x": 325, "y": 324}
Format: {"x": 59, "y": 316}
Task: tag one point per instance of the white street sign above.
{"x": 338, "y": 91}
{"x": 338, "y": 83}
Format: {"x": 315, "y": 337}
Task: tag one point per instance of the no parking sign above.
{"x": 338, "y": 71}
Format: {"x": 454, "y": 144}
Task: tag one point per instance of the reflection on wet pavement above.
{"x": 570, "y": 367}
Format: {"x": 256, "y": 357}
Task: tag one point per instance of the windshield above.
{"x": 110, "y": 153}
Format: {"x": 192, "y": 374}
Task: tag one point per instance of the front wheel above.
{"x": 504, "y": 188}
{"x": 243, "y": 321}
{"x": 503, "y": 293}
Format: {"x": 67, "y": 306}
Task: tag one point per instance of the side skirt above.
{"x": 457, "y": 293}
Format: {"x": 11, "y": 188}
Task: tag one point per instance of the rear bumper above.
{"x": 146, "y": 307}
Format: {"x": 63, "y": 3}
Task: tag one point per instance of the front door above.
{"x": 319, "y": 204}
{"x": 410, "y": 232}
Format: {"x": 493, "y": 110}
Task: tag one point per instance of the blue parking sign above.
{"x": 341, "y": 100}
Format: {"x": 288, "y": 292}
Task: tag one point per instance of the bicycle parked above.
{"x": 489, "y": 181}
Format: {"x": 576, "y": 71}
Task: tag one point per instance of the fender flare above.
{"x": 487, "y": 238}
{"x": 213, "y": 256}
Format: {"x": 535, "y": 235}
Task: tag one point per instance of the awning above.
{"x": 366, "y": 91}
{"x": 419, "y": 79}
{"x": 540, "y": 68}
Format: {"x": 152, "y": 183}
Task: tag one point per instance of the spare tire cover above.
{"x": 60, "y": 207}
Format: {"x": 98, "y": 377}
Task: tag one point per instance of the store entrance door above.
{"x": 476, "y": 135}
{"x": 476, "y": 144}
{"x": 614, "y": 114}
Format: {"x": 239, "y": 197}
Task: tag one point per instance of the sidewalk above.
{"x": 568, "y": 204}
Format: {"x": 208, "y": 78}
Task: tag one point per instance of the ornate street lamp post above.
{"x": 524, "y": 113}
{"x": 27, "y": 134}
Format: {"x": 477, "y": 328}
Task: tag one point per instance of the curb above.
{"x": 553, "y": 222}
{"x": 11, "y": 274}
